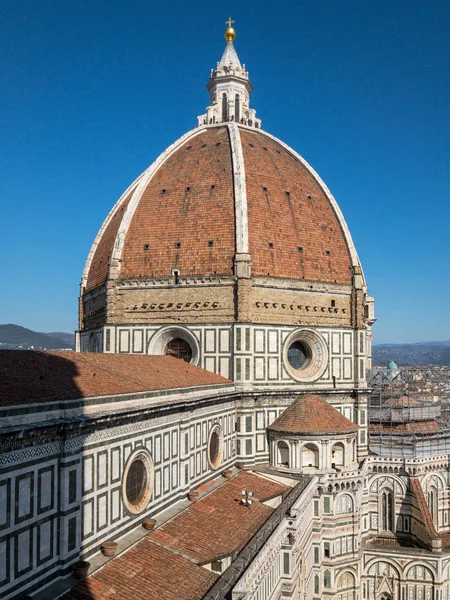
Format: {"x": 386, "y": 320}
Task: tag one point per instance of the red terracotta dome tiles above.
{"x": 312, "y": 414}
{"x": 187, "y": 205}
{"x": 98, "y": 270}
{"x": 185, "y": 218}
{"x": 288, "y": 209}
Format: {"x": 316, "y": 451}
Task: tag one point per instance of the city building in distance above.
{"x": 210, "y": 436}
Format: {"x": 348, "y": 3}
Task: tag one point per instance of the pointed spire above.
{"x": 229, "y": 89}
{"x": 230, "y": 59}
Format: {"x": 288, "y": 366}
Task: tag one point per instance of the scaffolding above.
{"x": 409, "y": 411}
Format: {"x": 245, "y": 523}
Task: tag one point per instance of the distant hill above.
{"x": 17, "y": 337}
{"x": 444, "y": 343}
{"x": 68, "y": 338}
{"x": 419, "y": 354}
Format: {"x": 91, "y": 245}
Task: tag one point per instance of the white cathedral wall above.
{"x": 253, "y": 356}
{"x": 328, "y": 544}
{"x": 248, "y": 352}
{"x": 60, "y": 500}
{"x": 178, "y": 446}
{"x": 53, "y": 492}
{"x": 30, "y": 503}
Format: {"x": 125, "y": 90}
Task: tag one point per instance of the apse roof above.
{"x": 312, "y": 414}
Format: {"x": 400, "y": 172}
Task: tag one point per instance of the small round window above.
{"x": 215, "y": 447}
{"x": 179, "y": 348}
{"x": 305, "y": 355}
{"x": 299, "y": 355}
{"x": 137, "y": 483}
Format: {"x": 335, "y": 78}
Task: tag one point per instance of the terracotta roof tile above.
{"x": 98, "y": 270}
{"x": 312, "y": 414}
{"x": 402, "y": 402}
{"x": 445, "y": 536}
{"x": 189, "y": 202}
{"x": 219, "y": 524}
{"x": 423, "y": 507}
{"x": 28, "y": 376}
{"x": 288, "y": 208}
{"x": 145, "y": 571}
{"x": 406, "y": 428}
{"x": 195, "y": 208}
{"x": 165, "y": 564}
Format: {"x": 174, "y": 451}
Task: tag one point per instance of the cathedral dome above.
{"x": 220, "y": 190}
{"x": 225, "y": 193}
{"x": 228, "y": 225}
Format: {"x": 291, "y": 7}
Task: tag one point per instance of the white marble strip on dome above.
{"x": 144, "y": 179}
{"x": 106, "y": 222}
{"x": 351, "y": 246}
{"x": 240, "y": 189}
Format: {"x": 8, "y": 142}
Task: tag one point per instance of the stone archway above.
{"x": 338, "y": 455}
{"x": 310, "y": 457}
{"x": 283, "y": 454}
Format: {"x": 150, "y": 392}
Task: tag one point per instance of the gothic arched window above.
{"x": 433, "y": 503}
{"x": 346, "y": 586}
{"x": 344, "y": 504}
{"x": 224, "y": 108}
{"x": 237, "y": 108}
{"x": 387, "y": 510}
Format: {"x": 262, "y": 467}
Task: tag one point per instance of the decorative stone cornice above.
{"x": 168, "y": 282}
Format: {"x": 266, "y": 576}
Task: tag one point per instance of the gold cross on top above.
{"x": 229, "y": 22}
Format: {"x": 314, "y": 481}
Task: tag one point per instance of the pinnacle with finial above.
{"x": 230, "y": 34}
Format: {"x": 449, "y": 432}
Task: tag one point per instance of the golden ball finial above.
{"x": 230, "y": 34}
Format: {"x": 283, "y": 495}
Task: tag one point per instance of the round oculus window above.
{"x": 179, "y": 348}
{"x": 137, "y": 485}
{"x": 215, "y": 447}
{"x": 299, "y": 355}
{"x": 175, "y": 341}
{"x": 305, "y": 355}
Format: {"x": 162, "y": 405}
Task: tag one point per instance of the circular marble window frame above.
{"x": 317, "y": 347}
{"x": 215, "y": 429}
{"x": 143, "y": 455}
{"x": 159, "y": 341}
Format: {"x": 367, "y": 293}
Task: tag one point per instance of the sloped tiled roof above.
{"x": 148, "y": 571}
{"x": 28, "y": 376}
{"x": 423, "y": 507}
{"x": 431, "y": 426}
{"x": 219, "y": 524}
{"x": 165, "y": 564}
{"x": 312, "y": 414}
{"x": 402, "y": 402}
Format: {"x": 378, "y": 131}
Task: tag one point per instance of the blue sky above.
{"x": 94, "y": 90}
